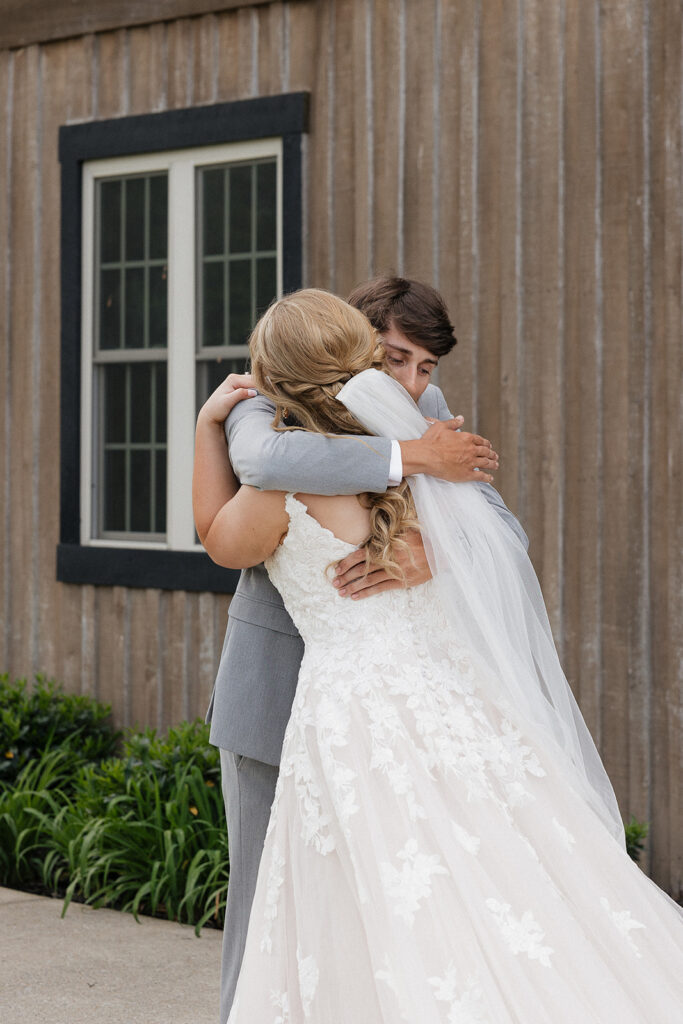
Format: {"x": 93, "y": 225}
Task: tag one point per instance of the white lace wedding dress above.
{"x": 426, "y": 860}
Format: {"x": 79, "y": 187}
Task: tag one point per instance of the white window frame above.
{"x": 182, "y": 166}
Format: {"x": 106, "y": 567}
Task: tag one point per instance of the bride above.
{"x": 444, "y": 844}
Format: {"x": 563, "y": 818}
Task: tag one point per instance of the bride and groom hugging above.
{"x": 254, "y": 689}
{"x": 441, "y": 841}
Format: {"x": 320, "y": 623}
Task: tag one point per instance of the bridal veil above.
{"x": 491, "y": 596}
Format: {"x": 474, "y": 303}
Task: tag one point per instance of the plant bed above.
{"x": 134, "y": 822}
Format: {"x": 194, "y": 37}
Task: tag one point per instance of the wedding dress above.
{"x": 432, "y": 854}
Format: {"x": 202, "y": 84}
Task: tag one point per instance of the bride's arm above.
{"x": 213, "y": 479}
{"x": 247, "y": 528}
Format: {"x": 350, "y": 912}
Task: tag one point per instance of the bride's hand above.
{"x": 351, "y": 580}
{"x": 235, "y": 388}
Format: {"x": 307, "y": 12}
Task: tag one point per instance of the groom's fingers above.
{"x": 368, "y": 584}
{"x": 350, "y": 568}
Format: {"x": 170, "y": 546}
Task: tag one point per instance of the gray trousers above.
{"x": 248, "y": 792}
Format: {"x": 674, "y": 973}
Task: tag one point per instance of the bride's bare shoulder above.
{"x": 343, "y": 514}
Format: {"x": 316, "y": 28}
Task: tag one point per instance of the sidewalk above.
{"x": 102, "y": 967}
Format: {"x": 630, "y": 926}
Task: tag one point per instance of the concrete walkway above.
{"x": 102, "y": 967}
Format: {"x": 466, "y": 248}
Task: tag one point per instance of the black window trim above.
{"x": 283, "y": 115}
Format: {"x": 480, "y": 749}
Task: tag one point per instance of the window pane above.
{"x": 110, "y": 221}
{"x": 265, "y": 283}
{"x": 265, "y": 206}
{"x": 160, "y": 402}
{"x": 240, "y": 301}
{"x": 140, "y": 491}
{"x": 160, "y": 492}
{"x": 240, "y": 208}
{"x": 158, "y": 217}
{"x": 135, "y": 219}
{"x": 135, "y": 308}
{"x": 114, "y": 416}
{"x": 212, "y": 372}
{"x": 213, "y": 304}
{"x": 140, "y": 402}
{"x": 213, "y": 219}
{"x": 158, "y": 307}
{"x": 110, "y": 309}
{"x": 114, "y": 503}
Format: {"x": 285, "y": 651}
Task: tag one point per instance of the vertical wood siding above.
{"x": 526, "y": 157}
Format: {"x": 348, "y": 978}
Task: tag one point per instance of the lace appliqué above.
{"x": 522, "y": 935}
{"x": 409, "y": 885}
{"x": 624, "y": 922}
{"x": 465, "y": 1001}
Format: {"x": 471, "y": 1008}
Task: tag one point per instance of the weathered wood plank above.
{"x": 541, "y": 448}
{"x": 420, "y": 129}
{"x": 174, "y": 658}
{"x": 69, "y": 90}
{"x": 621, "y": 40}
{"x": 32, "y": 21}
{"x": 386, "y": 104}
{"x": 206, "y": 663}
{"x": 25, "y": 219}
{"x": 112, "y": 63}
{"x": 304, "y": 42}
{"x": 248, "y": 52}
{"x": 321, "y": 162}
{"x": 665, "y": 480}
{"x": 342, "y": 152}
{"x": 55, "y": 89}
{"x": 145, "y": 635}
{"x": 148, "y": 69}
{"x": 228, "y": 59}
{"x": 206, "y": 59}
{"x": 362, "y": 181}
{"x": 89, "y": 655}
{"x": 583, "y": 328}
{"x": 180, "y": 64}
{"x": 6, "y": 90}
{"x": 497, "y": 374}
{"x": 456, "y": 201}
{"x": 111, "y": 657}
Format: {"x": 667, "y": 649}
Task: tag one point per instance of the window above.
{"x": 181, "y": 249}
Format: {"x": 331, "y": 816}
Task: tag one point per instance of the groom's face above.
{"x": 411, "y": 365}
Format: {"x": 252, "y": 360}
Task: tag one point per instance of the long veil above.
{"x": 491, "y": 596}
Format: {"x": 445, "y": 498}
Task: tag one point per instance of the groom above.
{"x": 262, "y": 651}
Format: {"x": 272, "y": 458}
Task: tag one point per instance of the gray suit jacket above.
{"x": 254, "y": 689}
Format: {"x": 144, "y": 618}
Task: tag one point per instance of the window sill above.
{"x": 140, "y": 567}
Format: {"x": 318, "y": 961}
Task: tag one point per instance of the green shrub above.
{"x": 636, "y": 833}
{"x": 144, "y": 831}
{"x": 44, "y": 718}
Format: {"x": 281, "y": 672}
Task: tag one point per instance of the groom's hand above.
{"x": 352, "y": 581}
{"x": 446, "y": 451}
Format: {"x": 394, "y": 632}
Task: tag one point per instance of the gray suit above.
{"x": 259, "y": 666}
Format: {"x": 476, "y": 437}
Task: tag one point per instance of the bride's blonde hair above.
{"x": 303, "y": 350}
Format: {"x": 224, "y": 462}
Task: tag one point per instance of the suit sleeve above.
{"x": 489, "y": 492}
{"x": 296, "y": 460}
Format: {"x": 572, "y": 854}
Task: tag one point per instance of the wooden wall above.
{"x": 525, "y": 156}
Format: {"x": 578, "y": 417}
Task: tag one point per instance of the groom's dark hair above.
{"x": 415, "y": 309}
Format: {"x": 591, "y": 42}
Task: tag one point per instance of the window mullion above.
{"x": 181, "y": 352}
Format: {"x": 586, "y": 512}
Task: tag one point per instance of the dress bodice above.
{"x": 302, "y": 568}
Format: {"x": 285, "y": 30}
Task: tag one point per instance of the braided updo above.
{"x": 304, "y": 348}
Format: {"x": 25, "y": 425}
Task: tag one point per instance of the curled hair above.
{"x": 304, "y": 348}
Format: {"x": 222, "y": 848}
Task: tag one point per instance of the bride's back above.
{"x": 343, "y": 515}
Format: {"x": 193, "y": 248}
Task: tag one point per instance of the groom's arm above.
{"x": 297, "y": 460}
{"x": 301, "y": 461}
